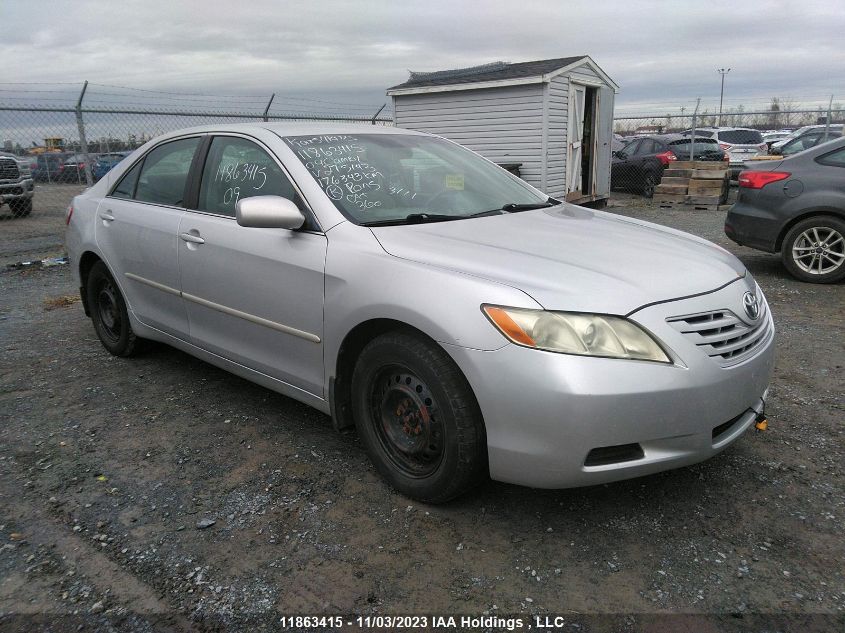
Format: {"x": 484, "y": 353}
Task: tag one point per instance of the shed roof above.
{"x": 496, "y": 73}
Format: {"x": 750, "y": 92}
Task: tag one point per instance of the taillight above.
{"x": 666, "y": 157}
{"x": 724, "y": 146}
{"x": 763, "y": 147}
{"x": 69, "y": 214}
{"x": 759, "y": 179}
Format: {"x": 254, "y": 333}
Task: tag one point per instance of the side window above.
{"x": 237, "y": 168}
{"x": 646, "y": 147}
{"x": 833, "y": 159}
{"x": 126, "y": 187}
{"x": 631, "y": 148}
{"x": 165, "y": 172}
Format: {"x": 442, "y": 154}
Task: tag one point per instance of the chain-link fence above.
{"x": 50, "y": 154}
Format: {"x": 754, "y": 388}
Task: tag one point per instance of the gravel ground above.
{"x": 160, "y": 493}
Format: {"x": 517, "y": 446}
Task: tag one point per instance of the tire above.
{"x": 814, "y": 250}
{"x": 20, "y": 208}
{"x": 418, "y": 418}
{"x": 648, "y": 186}
{"x": 109, "y": 314}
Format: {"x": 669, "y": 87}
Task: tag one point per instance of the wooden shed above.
{"x": 553, "y": 117}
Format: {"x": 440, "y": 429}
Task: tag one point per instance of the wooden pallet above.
{"x": 692, "y": 184}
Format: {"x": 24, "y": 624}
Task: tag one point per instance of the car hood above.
{"x": 571, "y": 258}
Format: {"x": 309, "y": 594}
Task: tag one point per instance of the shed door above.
{"x": 577, "y": 95}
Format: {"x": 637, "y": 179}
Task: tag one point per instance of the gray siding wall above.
{"x": 557, "y": 144}
{"x": 504, "y": 125}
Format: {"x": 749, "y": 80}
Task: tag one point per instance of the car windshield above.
{"x": 741, "y": 137}
{"x": 404, "y": 178}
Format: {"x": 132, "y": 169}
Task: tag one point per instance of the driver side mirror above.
{"x": 268, "y": 212}
{"x": 620, "y": 154}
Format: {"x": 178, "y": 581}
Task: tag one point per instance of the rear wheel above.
{"x": 108, "y": 312}
{"x": 814, "y": 250}
{"x": 418, "y": 418}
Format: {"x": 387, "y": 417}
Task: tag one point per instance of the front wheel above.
{"x": 108, "y": 312}
{"x": 21, "y": 208}
{"x": 649, "y": 184}
{"x": 418, "y": 418}
{"x": 814, "y": 250}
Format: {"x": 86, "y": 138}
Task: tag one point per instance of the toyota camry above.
{"x": 464, "y": 323}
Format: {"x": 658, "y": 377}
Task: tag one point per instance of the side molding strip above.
{"x": 313, "y": 338}
{"x": 153, "y": 284}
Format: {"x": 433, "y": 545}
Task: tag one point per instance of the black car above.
{"x": 639, "y": 165}
{"x": 796, "y": 206}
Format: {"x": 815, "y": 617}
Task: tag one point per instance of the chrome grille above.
{"x": 724, "y": 336}
{"x": 8, "y": 169}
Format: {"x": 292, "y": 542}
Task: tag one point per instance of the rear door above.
{"x": 137, "y": 228}
{"x": 253, "y": 295}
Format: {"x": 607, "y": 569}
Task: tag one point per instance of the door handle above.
{"x": 106, "y": 216}
{"x": 192, "y": 238}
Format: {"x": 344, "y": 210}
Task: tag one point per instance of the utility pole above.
{"x": 692, "y": 137}
{"x": 723, "y": 72}
{"x": 83, "y": 142}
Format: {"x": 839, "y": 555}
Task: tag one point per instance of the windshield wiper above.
{"x": 513, "y": 207}
{"x": 415, "y": 218}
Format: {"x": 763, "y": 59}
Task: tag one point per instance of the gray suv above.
{"x": 16, "y": 186}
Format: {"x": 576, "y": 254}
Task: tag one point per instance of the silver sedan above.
{"x": 466, "y": 324}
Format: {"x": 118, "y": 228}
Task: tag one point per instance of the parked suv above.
{"x": 16, "y": 186}
{"x": 50, "y": 167}
{"x": 639, "y": 165}
{"x": 740, "y": 144}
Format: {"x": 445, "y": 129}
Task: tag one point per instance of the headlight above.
{"x": 576, "y": 333}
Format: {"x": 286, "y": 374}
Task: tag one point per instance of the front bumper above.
{"x": 545, "y": 413}
{"x": 21, "y": 190}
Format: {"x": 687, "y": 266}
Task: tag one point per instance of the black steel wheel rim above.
{"x": 108, "y": 311}
{"x": 406, "y": 420}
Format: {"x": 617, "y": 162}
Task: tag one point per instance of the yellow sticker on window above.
{"x": 455, "y": 181}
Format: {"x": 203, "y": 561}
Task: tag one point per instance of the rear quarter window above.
{"x": 833, "y": 159}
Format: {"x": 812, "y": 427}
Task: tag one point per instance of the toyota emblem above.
{"x": 752, "y": 308}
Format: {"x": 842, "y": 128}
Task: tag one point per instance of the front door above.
{"x": 254, "y": 296}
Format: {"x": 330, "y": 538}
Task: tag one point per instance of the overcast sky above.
{"x": 333, "y": 53}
